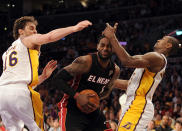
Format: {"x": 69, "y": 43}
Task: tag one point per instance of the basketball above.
{"x": 94, "y": 100}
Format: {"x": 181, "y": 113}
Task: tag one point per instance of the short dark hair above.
{"x": 175, "y": 45}
{"x": 20, "y": 23}
{"x": 177, "y": 121}
{"x": 100, "y": 37}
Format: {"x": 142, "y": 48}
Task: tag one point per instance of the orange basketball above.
{"x": 94, "y": 100}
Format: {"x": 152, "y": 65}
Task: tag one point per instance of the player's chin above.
{"x": 106, "y": 55}
{"x": 106, "y": 58}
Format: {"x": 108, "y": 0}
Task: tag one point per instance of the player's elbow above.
{"x": 127, "y": 62}
{"x": 50, "y": 38}
{"x": 41, "y": 39}
{"x": 120, "y": 84}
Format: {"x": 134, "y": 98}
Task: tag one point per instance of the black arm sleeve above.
{"x": 60, "y": 82}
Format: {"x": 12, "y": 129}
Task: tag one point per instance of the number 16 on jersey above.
{"x": 10, "y": 60}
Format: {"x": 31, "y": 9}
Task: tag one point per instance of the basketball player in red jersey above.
{"x": 96, "y": 72}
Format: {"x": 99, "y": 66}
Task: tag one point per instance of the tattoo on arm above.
{"x": 78, "y": 66}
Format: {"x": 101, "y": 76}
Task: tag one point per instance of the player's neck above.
{"x": 160, "y": 51}
{"x": 22, "y": 37}
{"x": 103, "y": 63}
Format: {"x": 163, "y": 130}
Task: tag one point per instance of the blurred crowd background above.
{"x": 141, "y": 24}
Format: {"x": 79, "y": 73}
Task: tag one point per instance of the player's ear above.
{"x": 98, "y": 46}
{"x": 169, "y": 45}
{"x": 20, "y": 31}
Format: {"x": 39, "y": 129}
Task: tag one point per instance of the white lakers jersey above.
{"x": 20, "y": 65}
{"x": 144, "y": 83}
{"x": 138, "y": 110}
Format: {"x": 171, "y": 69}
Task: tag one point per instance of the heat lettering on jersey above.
{"x": 99, "y": 80}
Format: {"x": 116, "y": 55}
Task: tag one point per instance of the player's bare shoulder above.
{"x": 29, "y": 42}
{"x": 86, "y": 60}
{"x": 156, "y": 60}
{"x": 80, "y": 65}
{"x": 82, "y": 59}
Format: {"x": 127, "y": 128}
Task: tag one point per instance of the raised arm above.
{"x": 108, "y": 88}
{"x": 54, "y": 35}
{"x": 152, "y": 60}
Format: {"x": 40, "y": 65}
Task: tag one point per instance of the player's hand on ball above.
{"x": 83, "y": 101}
{"x": 81, "y": 25}
{"x": 87, "y": 101}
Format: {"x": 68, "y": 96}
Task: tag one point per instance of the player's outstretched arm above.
{"x": 54, "y": 35}
{"x": 148, "y": 60}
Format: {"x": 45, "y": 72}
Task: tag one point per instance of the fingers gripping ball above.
{"x": 92, "y": 100}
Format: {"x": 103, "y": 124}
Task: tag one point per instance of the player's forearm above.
{"x": 41, "y": 79}
{"x": 107, "y": 90}
{"x": 57, "y": 34}
{"x": 119, "y": 50}
{"x": 120, "y": 84}
{"x": 105, "y": 94}
{"x": 52, "y": 36}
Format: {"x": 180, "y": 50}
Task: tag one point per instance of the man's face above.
{"x": 104, "y": 49}
{"x": 30, "y": 29}
{"x": 162, "y": 43}
{"x": 165, "y": 120}
{"x": 151, "y": 125}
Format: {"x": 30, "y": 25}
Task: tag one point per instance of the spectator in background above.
{"x": 151, "y": 126}
{"x": 170, "y": 122}
{"x": 157, "y": 120}
{"x": 70, "y": 56}
{"x": 55, "y": 126}
{"x": 178, "y": 126}
{"x": 48, "y": 122}
{"x": 164, "y": 124}
{"x": 177, "y": 111}
{"x": 113, "y": 125}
